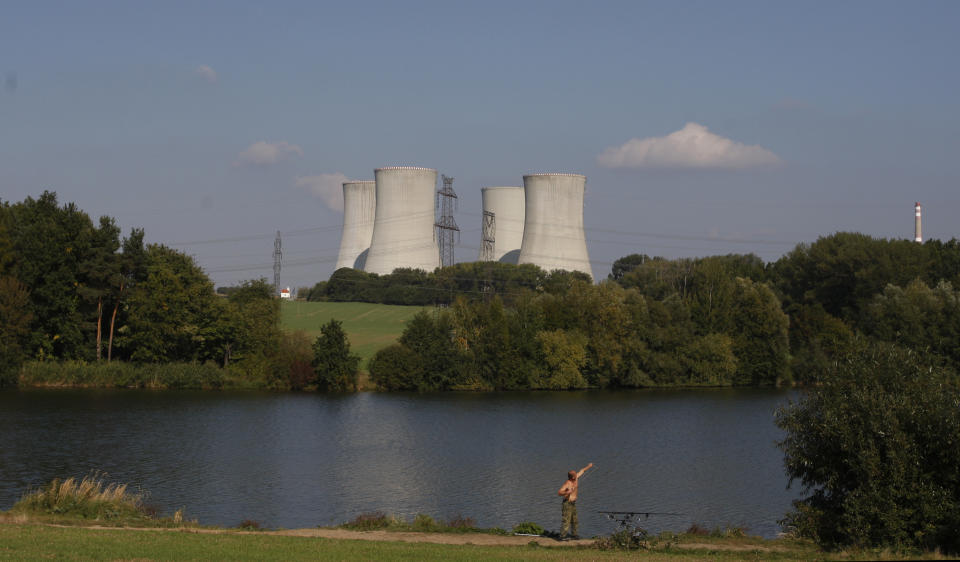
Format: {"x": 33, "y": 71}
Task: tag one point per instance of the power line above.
{"x": 277, "y": 258}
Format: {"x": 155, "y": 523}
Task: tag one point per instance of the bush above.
{"x": 877, "y": 447}
{"x": 9, "y": 375}
{"x": 292, "y": 367}
{"x": 119, "y": 374}
{"x": 630, "y": 538}
{"x": 527, "y": 528}
{"x": 395, "y": 367}
{"x": 370, "y": 521}
{"x": 425, "y": 523}
{"x": 461, "y": 522}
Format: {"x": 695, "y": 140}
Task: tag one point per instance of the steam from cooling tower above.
{"x": 553, "y": 236}
{"x": 917, "y": 232}
{"x": 507, "y": 205}
{"x": 359, "y": 207}
{"x": 403, "y": 227}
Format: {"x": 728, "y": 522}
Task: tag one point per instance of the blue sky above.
{"x": 823, "y": 116}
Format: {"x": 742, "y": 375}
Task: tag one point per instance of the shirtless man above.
{"x": 569, "y": 494}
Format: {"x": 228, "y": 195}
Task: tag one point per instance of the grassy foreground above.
{"x": 38, "y": 542}
{"x": 89, "y": 519}
{"x": 369, "y": 327}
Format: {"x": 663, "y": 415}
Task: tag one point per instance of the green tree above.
{"x": 760, "y": 335}
{"x": 253, "y": 325}
{"x": 15, "y": 313}
{"x": 49, "y": 243}
{"x": 709, "y": 360}
{"x": 348, "y": 284}
{"x": 334, "y": 366}
{"x": 943, "y": 262}
{"x": 173, "y": 313}
{"x": 842, "y": 272}
{"x": 482, "y": 329}
{"x": 625, "y": 265}
{"x": 817, "y": 339}
{"x": 15, "y": 319}
{"x": 440, "y": 360}
{"x": 564, "y": 354}
{"x": 132, "y": 271}
{"x": 599, "y": 312}
{"x": 99, "y": 273}
{"x": 396, "y": 367}
{"x": 918, "y": 317}
{"x": 659, "y": 278}
{"x": 876, "y": 449}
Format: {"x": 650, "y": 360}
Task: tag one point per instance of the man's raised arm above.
{"x": 584, "y": 469}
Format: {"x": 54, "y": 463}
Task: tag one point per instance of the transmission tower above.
{"x": 446, "y": 226}
{"x": 277, "y": 257}
{"x": 488, "y": 244}
{"x": 488, "y": 236}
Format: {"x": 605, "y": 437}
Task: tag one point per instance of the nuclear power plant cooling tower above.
{"x": 359, "y": 206}
{"x": 403, "y": 230}
{"x": 553, "y": 222}
{"x": 507, "y": 205}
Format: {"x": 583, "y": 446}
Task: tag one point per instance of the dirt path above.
{"x": 482, "y": 539}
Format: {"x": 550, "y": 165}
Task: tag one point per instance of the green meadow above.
{"x": 370, "y": 327}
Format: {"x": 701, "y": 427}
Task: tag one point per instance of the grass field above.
{"x": 25, "y": 541}
{"x": 370, "y": 327}
{"x": 36, "y": 542}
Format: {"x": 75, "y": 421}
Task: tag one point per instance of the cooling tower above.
{"x": 507, "y": 205}
{"x": 359, "y": 205}
{"x": 403, "y": 231}
{"x": 553, "y": 222}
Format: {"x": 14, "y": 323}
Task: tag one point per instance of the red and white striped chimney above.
{"x": 917, "y": 235}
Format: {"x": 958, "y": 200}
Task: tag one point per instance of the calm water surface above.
{"x": 291, "y": 460}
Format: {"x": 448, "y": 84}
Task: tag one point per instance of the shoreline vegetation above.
{"x": 79, "y": 375}
{"x": 82, "y": 306}
{"x": 88, "y": 518}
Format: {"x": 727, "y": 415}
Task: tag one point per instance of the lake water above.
{"x": 301, "y": 460}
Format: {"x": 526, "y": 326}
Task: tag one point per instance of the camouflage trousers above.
{"x": 569, "y": 513}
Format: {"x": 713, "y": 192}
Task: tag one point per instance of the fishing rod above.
{"x": 636, "y": 513}
{"x": 625, "y": 519}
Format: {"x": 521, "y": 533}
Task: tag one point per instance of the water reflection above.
{"x": 301, "y": 460}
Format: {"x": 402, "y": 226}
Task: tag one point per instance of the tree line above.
{"x": 74, "y": 293}
{"x": 592, "y": 336}
{"x": 715, "y": 321}
{"x": 72, "y": 289}
{"x": 405, "y": 286}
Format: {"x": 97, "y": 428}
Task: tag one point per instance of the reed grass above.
{"x": 87, "y": 498}
{"x": 120, "y": 374}
{"x": 90, "y": 499}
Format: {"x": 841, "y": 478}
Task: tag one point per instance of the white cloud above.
{"x": 328, "y": 187}
{"x": 207, "y": 73}
{"x": 693, "y": 146}
{"x": 263, "y": 153}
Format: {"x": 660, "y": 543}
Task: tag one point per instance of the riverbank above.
{"x": 90, "y": 519}
{"x": 208, "y": 376}
{"x": 32, "y": 541}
